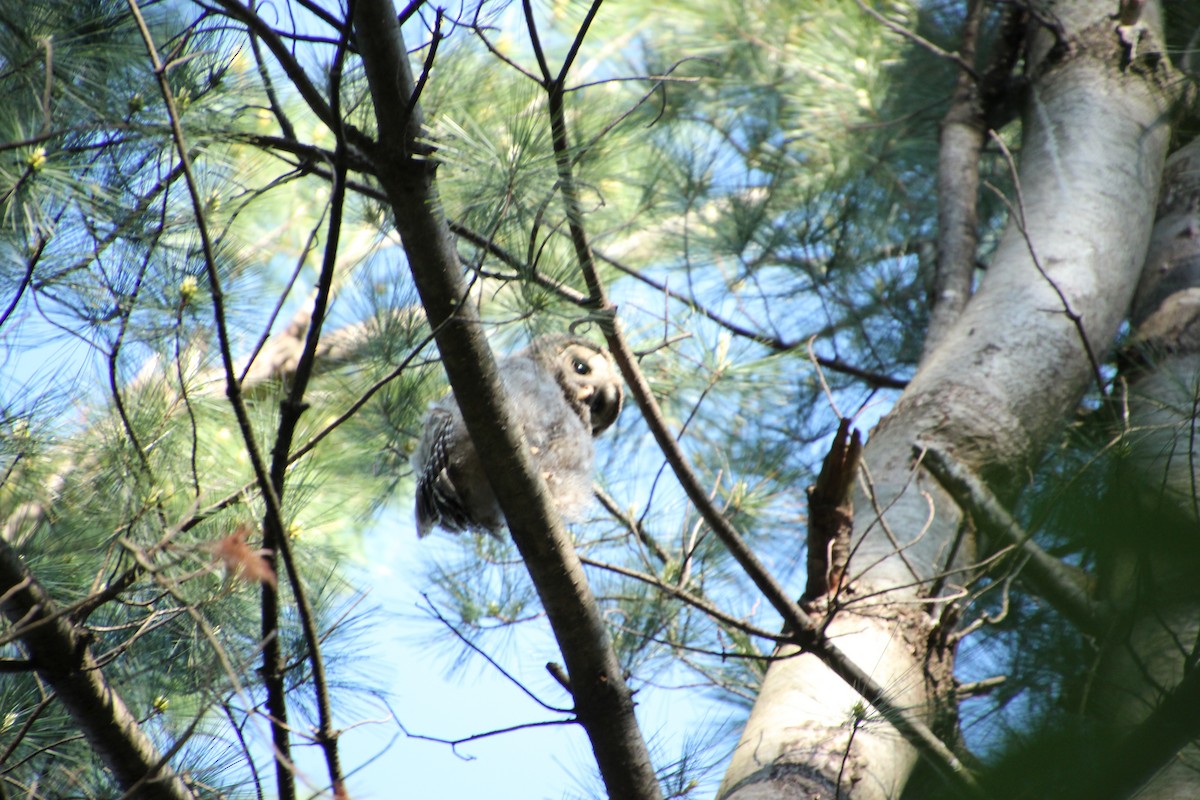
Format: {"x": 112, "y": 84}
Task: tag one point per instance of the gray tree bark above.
{"x": 991, "y": 393}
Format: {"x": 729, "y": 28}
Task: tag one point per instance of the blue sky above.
{"x": 432, "y": 698}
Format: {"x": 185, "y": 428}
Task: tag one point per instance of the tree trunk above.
{"x": 992, "y": 393}
{"x": 962, "y": 138}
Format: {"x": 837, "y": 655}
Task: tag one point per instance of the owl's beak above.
{"x": 605, "y": 405}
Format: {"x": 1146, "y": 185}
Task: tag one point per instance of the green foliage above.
{"x": 123, "y": 464}
{"x": 757, "y": 182}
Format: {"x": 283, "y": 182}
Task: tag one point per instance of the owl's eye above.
{"x": 580, "y": 366}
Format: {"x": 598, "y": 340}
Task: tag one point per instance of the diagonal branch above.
{"x": 61, "y": 655}
{"x": 1052, "y": 579}
{"x": 807, "y": 631}
{"x": 603, "y": 701}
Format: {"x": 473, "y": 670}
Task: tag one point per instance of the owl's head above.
{"x": 592, "y": 375}
{"x": 588, "y": 375}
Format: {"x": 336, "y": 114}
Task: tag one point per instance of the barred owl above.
{"x": 564, "y": 391}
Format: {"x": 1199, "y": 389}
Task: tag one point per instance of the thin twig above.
{"x": 776, "y": 343}
{"x": 462, "y": 637}
{"x": 475, "y": 737}
{"x": 536, "y": 42}
{"x": 429, "y": 57}
{"x": 916, "y": 38}
{"x": 26, "y": 279}
{"x": 283, "y": 55}
{"x": 687, "y": 597}
{"x": 264, "y": 74}
{"x": 273, "y": 514}
{"x": 1049, "y": 576}
{"x": 633, "y": 525}
{"x": 125, "y": 306}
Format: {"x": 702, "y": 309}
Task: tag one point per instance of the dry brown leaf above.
{"x": 242, "y": 561}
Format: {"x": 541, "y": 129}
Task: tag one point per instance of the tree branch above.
{"x": 257, "y": 26}
{"x": 959, "y": 147}
{"x": 806, "y": 630}
{"x": 831, "y": 514}
{"x": 603, "y": 701}
{"x": 1052, "y": 579}
{"x": 63, "y": 659}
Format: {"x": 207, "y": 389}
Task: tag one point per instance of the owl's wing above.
{"x": 438, "y": 502}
